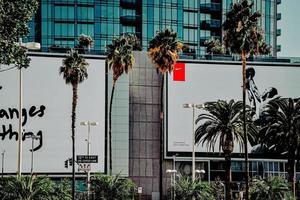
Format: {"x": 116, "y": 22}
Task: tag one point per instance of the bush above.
{"x": 33, "y": 188}
{"x": 27, "y": 187}
{"x": 186, "y": 189}
{"x": 271, "y": 188}
{"x": 112, "y": 187}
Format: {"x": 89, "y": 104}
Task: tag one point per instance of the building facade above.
{"x": 60, "y": 22}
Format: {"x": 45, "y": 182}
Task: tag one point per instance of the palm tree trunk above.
{"x": 291, "y": 174}
{"x": 228, "y": 176}
{"x": 161, "y": 135}
{"x": 74, "y": 104}
{"x": 244, "y": 126}
{"x": 109, "y": 133}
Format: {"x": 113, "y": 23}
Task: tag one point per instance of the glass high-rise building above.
{"x": 60, "y": 22}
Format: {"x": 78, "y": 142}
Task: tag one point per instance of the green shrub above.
{"x": 270, "y": 188}
{"x": 112, "y": 187}
{"x": 186, "y": 189}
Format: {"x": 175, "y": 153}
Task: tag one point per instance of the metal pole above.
{"x": 193, "y": 140}
{"x": 20, "y": 135}
{"x": 88, "y": 153}
{"x": 174, "y": 176}
{"x": 32, "y": 145}
{"x": 245, "y": 126}
{"x": 2, "y": 154}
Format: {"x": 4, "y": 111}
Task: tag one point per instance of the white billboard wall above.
{"x": 47, "y": 103}
{"x": 213, "y": 81}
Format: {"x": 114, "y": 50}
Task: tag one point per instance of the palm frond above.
{"x": 120, "y": 56}
{"x": 163, "y": 50}
{"x": 74, "y": 68}
{"x": 241, "y": 32}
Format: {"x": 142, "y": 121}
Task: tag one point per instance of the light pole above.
{"x": 88, "y": 124}
{"x": 193, "y": 106}
{"x": 2, "y": 155}
{"x": 33, "y": 137}
{"x": 172, "y": 172}
{"x": 31, "y": 46}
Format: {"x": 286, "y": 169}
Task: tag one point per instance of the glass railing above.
{"x": 210, "y": 7}
{"x": 219, "y": 57}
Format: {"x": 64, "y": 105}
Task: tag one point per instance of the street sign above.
{"x": 87, "y": 159}
{"x": 140, "y": 190}
{"x": 86, "y": 167}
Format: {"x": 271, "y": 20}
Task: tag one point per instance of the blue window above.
{"x": 64, "y": 12}
{"x": 85, "y": 13}
{"x": 87, "y": 29}
{"x": 64, "y": 30}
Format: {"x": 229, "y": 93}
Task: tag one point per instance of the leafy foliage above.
{"x": 85, "y": 40}
{"x": 134, "y": 41}
{"x": 186, "y": 189}
{"x": 223, "y": 122}
{"x": 62, "y": 190}
{"x": 218, "y": 189}
{"x": 163, "y": 50}
{"x": 271, "y": 188}
{"x": 280, "y": 128}
{"x": 214, "y": 46}
{"x": 112, "y": 187}
{"x": 120, "y": 57}
{"x": 14, "y": 18}
{"x": 27, "y": 188}
{"x": 241, "y": 32}
{"x": 74, "y": 68}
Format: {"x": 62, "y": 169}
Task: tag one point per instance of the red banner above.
{"x": 179, "y": 72}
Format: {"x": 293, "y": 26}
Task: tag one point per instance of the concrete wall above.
{"x": 144, "y": 123}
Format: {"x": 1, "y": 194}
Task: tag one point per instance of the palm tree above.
{"x": 74, "y": 71}
{"x": 214, "y": 46}
{"x": 27, "y": 188}
{"x": 280, "y": 130}
{"x": 120, "y": 59}
{"x": 271, "y": 188}
{"x": 112, "y": 187}
{"x": 242, "y": 36}
{"x": 163, "y": 51}
{"x": 84, "y": 41}
{"x": 223, "y": 122}
{"x": 186, "y": 189}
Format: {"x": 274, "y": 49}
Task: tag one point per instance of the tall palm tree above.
{"x": 242, "y": 36}
{"x": 280, "y": 131}
{"x": 223, "y": 122}
{"x": 74, "y": 71}
{"x": 163, "y": 51}
{"x": 120, "y": 59}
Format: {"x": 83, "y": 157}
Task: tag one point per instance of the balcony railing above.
{"x": 278, "y": 48}
{"x": 130, "y": 19}
{"x": 278, "y": 32}
{"x": 128, "y": 3}
{"x": 210, "y": 24}
{"x": 278, "y": 16}
{"x": 210, "y": 7}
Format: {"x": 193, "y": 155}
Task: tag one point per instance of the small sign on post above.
{"x": 85, "y": 167}
{"x": 140, "y": 190}
{"x": 87, "y": 159}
